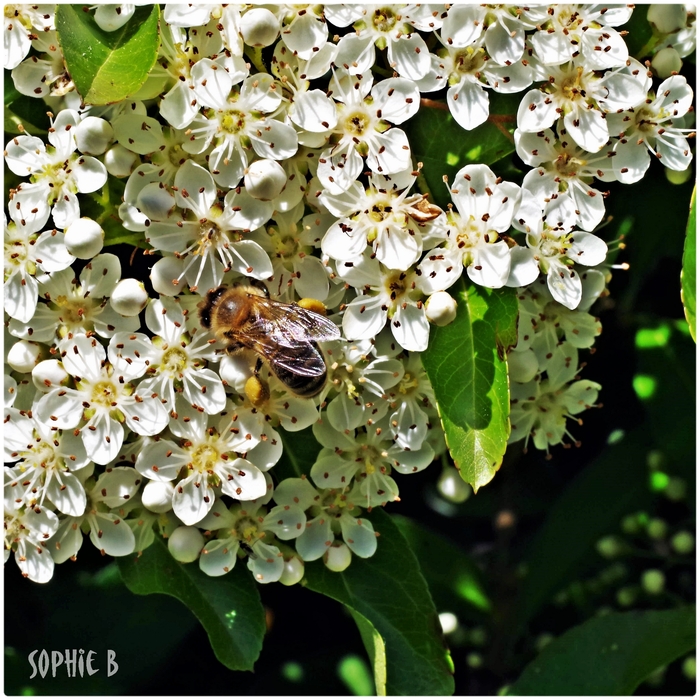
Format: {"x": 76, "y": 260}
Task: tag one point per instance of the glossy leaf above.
{"x": 107, "y": 67}
{"x": 300, "y": 452}
{"x": 228, "y": 607}
{"x": 592, "y": 506}
{"x": 450, "y": 572}
{"x": 609, "y": 655}
{"x": 389, "y": 591}
{"x": 466, "y": 364}
{"x": 444, "y": 147}
{"x": 689, "y": 272}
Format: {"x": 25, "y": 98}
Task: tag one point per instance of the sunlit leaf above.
{"x": 107, "y": 66}
{"x": 689, "y": 273}
{"x": 466, "y": 364}
{"x": 228, "y": 607}
{"x": 609, "y": 655}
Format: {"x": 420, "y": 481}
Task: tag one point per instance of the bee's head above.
{"x": 207, "y": 304}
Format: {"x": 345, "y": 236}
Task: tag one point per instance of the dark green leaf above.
{"x": 640, "y": 38}
{"x": 466, "y": 364}
{"x": 107, "y": 66}
{"x": 300, "y": 452}
{"x": 444, "y": 147}
{"x": 389, "y": 591}
{"x": 28, "y": 112}
{"x": 450, "y": 572}
{"x": 689, "y": 273}
{"x": 612, "y": 486}
{"x": 374, "y": 644}
{"x": 609, "y": 655}
{"x": 228, "y": 608}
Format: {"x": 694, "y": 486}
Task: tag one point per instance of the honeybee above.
{"x": 243, "y": 316}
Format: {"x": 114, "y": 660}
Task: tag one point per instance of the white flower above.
{"x": 209, "y": 235}
{"x": 47, "y": 462}
{"x": 304, "y": 30}
{"x": 468, "y": 69}
{"x": 383, "y": 216}
{"x": 104, "y": 397}
{"x": 654, "y": 127}
{"x": 485, "y": 210}
{"x": 45, "y": 76}
{"x": 386, "y": 27}
{"x": 569, "y": 31}
{"x": 176, "y": 360}
{"x": 21, "y": 22}
{"x": 364, "y": 118}
{"x": 109, "y": 18}
{"x": 235, "y": 121}
{"x": 553, "y": 248}
{"x": 26, "y": 534}
{"x": 58, "y": 173}
{"x": 77, "y": 306}
{"x": 539, "y": 408}
{"x": 253, "y": 527}
{"x": 385, "y": 294}
{"x": 581, "y": 97}
{"x": 207, "y": 449}
{"x": 332, "y": 513}
{"x": 565, "y": 170}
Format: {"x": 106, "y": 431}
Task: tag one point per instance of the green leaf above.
{"x": 466, "y": 364}
{"x": 300, "y": 452}
{"x": 450, "y": 572}
{"x": 23, "y": 114}
{"x": 444, "y": 147}
{"x": 592, "y": 506}
{"x": 374, "y": 644}
{"x": 228, "y": 608}
{"x": 688, "y": 274}
{"x": 107, "y": 67}
{"x": 389, "y": 591}
{"x": 609, "y": 655}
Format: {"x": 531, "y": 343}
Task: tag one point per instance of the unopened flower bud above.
{"x": 24, "y": 356}
{"x": 626, "y": 596}
{"x": 666, "y": 62}
{"x": 157, "y": 496}
{"x": 49, "y": 374}
{"x": 653, "y": 581}
{"x": 609, "y": 547}
{"x": 667, "y": 18}
{"x": 93, "y": 135}
{"x": 683, "y": 542}
{"x": 259, "y": 27}
{"x": 448, "y": 622}
{"x": 293, "y": 571}
{"x": 657, "y": 528}
{"x": 689, "y": 668}
{"x": 167, "y": 276}
{"x": 265, "y": 179}
{"x": 129, "y": 297}
{"x": 185, "y": 544}
{"x": 452, "y": 487}
{"x": 84, "y": 238}
{"x": 440, "y": 308}
{"x": 120, "y": 161}
{"x": 338, "y": 557}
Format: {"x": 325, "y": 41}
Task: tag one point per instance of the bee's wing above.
{"x": 302, "y": 359}
{"x": 289, "y": 325}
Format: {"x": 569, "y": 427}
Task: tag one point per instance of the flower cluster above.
{"x": 125, "y": 417}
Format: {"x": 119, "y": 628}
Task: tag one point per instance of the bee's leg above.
{"x": 258, "y": 366}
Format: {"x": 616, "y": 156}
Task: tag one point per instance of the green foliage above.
{"x": 107, "y": 67}
{"x": 466, "y": 364}
{"x": 374, "y": 644}
{"x": 23, "y": 114}
{"x": 444, "y": 147}
{"x": 390, "y": 593}
{"x": 609, "y": 655}
{"x": 613, "y": 485}
{"x": 300, "y": 452}
{"x": 450, "y": 572}
{"x": 228, "y": 608}
{"x": 689, "y": 273}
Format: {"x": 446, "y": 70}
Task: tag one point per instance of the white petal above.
{"x": 410, "y": 56}
{"x": 564, "y": 284}
{"x": 463, "y": 24}
{"x": 587, "y": 128}
{"x": 218, "y": 557}
{"x": 195, "y": 188}
{"x": 104, "y": 442}
{"x": 490, "y": 265}
{"x": 358, "y": 535}
{"x": 364, "y": 317}
{"x": 193, "y": 498}
{"x": 537, "y": 111}
{"x": 524, "y": 269}
{"x": 588, "y": 249}
{"x": 111, "y": 534}
{"x": 313, "y": 111}
{"x": 389, "y": 152}
{"x": 212, "y": 84}
{"x": 244, "y": 481}
{"x": 469, "y": 104}
{"x": 275, "y": 140}
{"x": 411, "y": 328}
{"x": 316, "y": 538}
